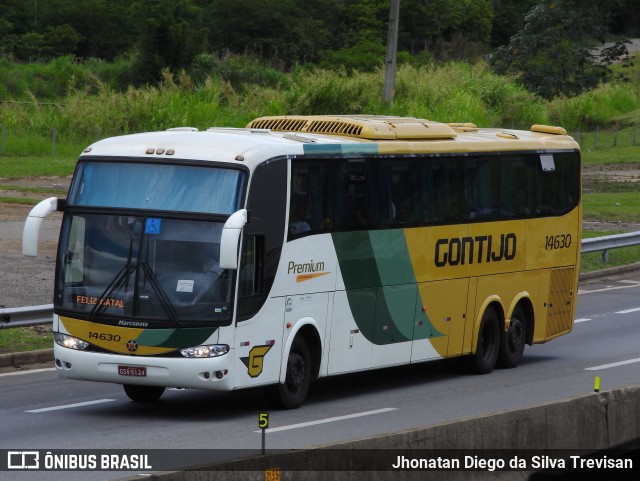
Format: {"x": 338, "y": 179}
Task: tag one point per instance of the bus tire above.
{"x": 513, "y": 340}
{"x": 143, "y": 394}
{"x": 488, "y": 347}
{"x": 292, "y": 393}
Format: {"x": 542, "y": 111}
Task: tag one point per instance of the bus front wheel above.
{"x": 488, "y": 347}
{"x": 292, "y": 393}
{"x": 144, "y": 394}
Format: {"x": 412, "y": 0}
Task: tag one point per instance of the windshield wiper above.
{"x": 121, "y": 279}
{"x": 162, "y": 296}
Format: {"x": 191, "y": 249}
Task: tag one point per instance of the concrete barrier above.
{"x": 585, "y": 425}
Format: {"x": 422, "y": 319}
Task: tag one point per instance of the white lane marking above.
{"x": 627, "y": 311}
{"x": 68, "y": 406}
{"x": 613, "y": 364}
{"x": 327, "y": 420}
{"x": 581, "y": 320}
{"x": 27, "y": 371}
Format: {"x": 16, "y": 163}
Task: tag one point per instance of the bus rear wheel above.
{"x": 486, "y": 356}
{"x": 292, "y": 393}
{"x": 513, "y": 340}
{"x": 143, "y": 394}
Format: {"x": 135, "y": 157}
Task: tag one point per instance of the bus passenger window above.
{"x": 399, "y": 184}
{"x": 445, "y": 196}
{"x": 357, "y": 195}
{"x": 311, "y": 197}
{"x": 298, "y": 215}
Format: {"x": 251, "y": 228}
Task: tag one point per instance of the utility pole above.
{"x": 392, "y": 52}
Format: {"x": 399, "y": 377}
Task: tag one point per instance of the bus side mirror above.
{"x": 231, "y": 238}
{"x": 34, "y": 221}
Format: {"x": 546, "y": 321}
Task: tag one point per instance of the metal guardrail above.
{"x": 37, "y": 315}
{"x": 606, "y": 243}
{"x": 26, "y": 316}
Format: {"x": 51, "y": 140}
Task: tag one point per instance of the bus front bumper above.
{"x": 213, "y": 373}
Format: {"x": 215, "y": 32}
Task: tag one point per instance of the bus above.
{"x": 301, "y": 247}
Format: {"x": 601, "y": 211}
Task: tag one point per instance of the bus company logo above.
{"x": 132, "y": 345}
{"x": 255, "y": 361}
{"x": 306, "y": 270}
{"x": 23, "y": 460}
{"x": 475, "y": 250}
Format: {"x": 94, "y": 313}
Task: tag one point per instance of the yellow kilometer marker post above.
{"x": 271, "y": 474}
{"x": 596, "y": 384}
{"x": 263, "y": 423}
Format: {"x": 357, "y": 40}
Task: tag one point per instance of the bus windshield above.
{"x": 130, "y": 185}
{"x": 135, "y": 244}
{"x": 138, "y": 267}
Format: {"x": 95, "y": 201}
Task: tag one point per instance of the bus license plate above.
{"x": 135, "y": 371}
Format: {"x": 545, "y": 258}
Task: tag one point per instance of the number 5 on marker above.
{"x": 263, "y": 420}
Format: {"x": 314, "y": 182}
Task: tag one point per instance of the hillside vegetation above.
{"x": 80, "y": 106}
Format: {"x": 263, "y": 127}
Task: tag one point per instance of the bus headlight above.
{"x": 205, "y": 351}
{"x": 70, "y": 342}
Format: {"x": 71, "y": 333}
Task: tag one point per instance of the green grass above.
{"x": 612, "y": 206}
{"x": 26, "y": 190}
{"x": 18, "y": 200}
{"x": 608, "y": 139}
{"x": 19, "y": 339}
{"x": 609, "y": 156}
{"x": 36, "y": 166}
{"x": 36, "y": 190}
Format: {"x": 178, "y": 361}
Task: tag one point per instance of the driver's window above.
{"x": 250, "y": 283}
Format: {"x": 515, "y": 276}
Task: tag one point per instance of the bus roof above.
{"x": 411, "y": 134}
{"x": 268, "y": 137}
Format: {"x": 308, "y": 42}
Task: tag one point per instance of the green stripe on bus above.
{"x": 398, "y": 296}
{"x": 381, "y": 286}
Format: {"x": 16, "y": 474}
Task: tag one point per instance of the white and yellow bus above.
{"x": 309, "y": 246}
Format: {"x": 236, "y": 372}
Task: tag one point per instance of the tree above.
{"x": 285, "y": 32}
{"x": 552, "y": 54}
{"x": 103, "y": 29}
{"x": 442, "y": 26}
{"x": 172, "y": 34}
{"x": 508, "y": 19}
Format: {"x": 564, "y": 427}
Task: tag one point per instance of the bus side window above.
{"x": 445, "y": 198}
{"x": 357, "y": 195}
{"x": 298, "y": 214}
{"x": 485, "y": 199}
{"x": 559, "y": 188}
{"x": 399, "y": 184}
{"x": 311, "y": 198}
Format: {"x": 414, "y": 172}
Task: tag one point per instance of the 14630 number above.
{"x": 560, "y": 241}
